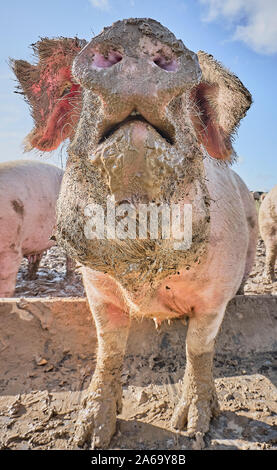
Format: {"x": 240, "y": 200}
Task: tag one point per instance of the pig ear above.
{"x": 49, "y": 89}
{"x": 221, "y": 101}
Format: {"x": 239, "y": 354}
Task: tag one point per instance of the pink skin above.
{"x": 99, "y": 61}
{"x": 60, "y": 117}
{"x": 28, "y": 194}
{"x": 161, "y": 62}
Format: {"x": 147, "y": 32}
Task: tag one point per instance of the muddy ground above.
{"x": 43, "y": 381}
{"x": 256, "y": 284}
{"x": 51, "y": 278}
{"x": 44, "y": 419}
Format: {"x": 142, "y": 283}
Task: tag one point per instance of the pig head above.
{"x": 149, "y": 122}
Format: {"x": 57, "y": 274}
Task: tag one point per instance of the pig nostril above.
{"x": 101, "y": 61}
{"x": 165, "y": 64}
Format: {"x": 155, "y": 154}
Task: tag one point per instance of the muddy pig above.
{"x": 28, "y": 196}
{"x": 268, "y": 231}
{"x": 150, "y": 125}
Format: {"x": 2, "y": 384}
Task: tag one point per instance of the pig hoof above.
{"x": 96, "y": 422}
{"x": 196, "y": 414}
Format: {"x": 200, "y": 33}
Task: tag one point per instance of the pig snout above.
{"x": 135, "y": 74}
{"x": 138, "y": 76}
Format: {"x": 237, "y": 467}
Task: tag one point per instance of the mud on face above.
{"x": 136, "y": 142}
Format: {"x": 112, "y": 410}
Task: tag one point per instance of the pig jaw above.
{"x": 139, "y": 164}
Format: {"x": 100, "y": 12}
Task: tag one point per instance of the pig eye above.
{"x": 104, "y": 61}
{"x": 66, "y": 87}
{"x": 170, "y": 65}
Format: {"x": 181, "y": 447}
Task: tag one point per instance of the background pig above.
{"x": 28, "y": 196}
{"x": 268, "y": 231}
{"x": 155, "y": 122}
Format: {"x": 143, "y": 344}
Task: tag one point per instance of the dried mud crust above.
{"x": 45, "y": 417}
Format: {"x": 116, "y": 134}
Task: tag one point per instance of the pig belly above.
{"x": 37, "y": 236}
{"x": 189, "y": 295}
{"x": 182, "y": 295}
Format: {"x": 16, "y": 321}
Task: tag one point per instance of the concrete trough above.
{"x": 34, "y": 326}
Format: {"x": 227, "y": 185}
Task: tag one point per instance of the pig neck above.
{"x": 133, "y": 263}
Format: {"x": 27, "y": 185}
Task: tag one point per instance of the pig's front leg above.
{"x": 198, "y": 401}
{"x": 33, "y": 265}
{"x": 96, "y": 422}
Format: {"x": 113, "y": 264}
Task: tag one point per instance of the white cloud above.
{"x": 101, "y": 4}
{"x": 105, "y": 4}
{"x": 253, "y": 21}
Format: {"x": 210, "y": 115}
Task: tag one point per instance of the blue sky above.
{"x": 242, "y": 34}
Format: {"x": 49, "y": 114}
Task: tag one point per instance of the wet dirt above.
{"x": 45, "y": 420}
{"x": 256, "y": 284}
{"x": 47, "y": 364}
